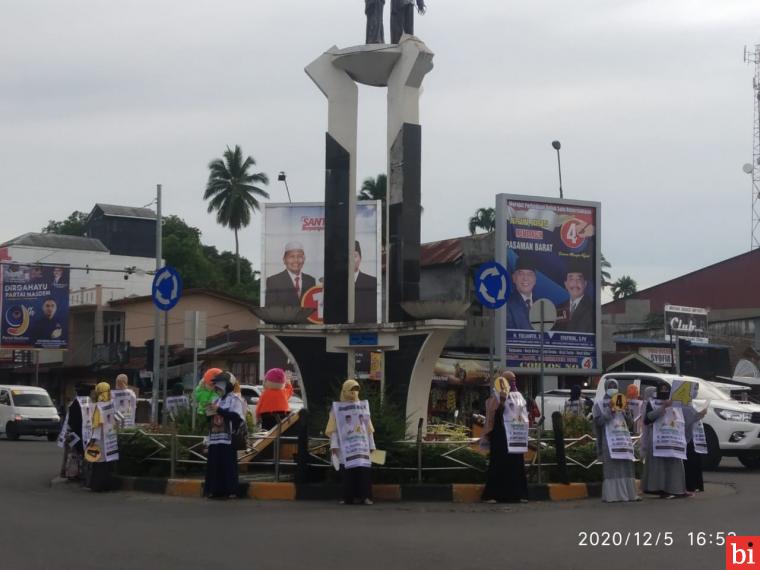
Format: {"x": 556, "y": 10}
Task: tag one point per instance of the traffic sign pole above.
{"x": 494, "y": 273}
{"x": 542, "y": 313}
{"x": 166, "y": 293}
{"x": 541, "y": 391}
{"x": 156, "y": 319}
{"x": 164, "y": 415}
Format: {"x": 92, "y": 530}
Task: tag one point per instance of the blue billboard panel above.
{"x": 34, "y": 305}
{"x": 551, "y": 250}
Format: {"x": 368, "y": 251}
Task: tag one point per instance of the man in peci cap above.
{"x": 577, "y": 314}
{"x": 365, "y": 291}
{"x": 288, "y": 286}
{"x": 521, "y": 299}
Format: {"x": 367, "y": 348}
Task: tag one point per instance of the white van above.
{"x": 28, "y": 410}
{"x": 732, "y": 427}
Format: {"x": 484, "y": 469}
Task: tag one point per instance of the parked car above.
{"x": 732, "y": 426}
{"x": 28, "y": 410}
{"x": 252, "y": 392}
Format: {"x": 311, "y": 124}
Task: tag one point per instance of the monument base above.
{"x": 320, "y": 354}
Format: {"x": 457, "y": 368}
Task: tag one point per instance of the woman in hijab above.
{"x": 71, "y": 438}
{"x": 574, "y": 406}
{"x": 103, "y": 449}
{"x": 506, "y": 411}
{"x": 614, "y": 447}
{"x": 225, "y": 416}
{"x": 350, "y": 430}
{"x": 663, "y": 465}
{"x": 696, "y": 447}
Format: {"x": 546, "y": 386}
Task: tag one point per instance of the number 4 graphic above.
{"x": 681, "y": 393}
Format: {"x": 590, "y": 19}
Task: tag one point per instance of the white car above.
{"x": 28, "y": 410}
{"x": 252, "y": 392}
{"x": 732, "y": 427}
{"x": 554, "y": 401}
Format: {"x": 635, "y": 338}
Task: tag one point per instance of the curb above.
{"x": 269, "y": 491}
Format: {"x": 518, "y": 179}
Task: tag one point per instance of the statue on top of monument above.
{"x": 402, "y": 17}
{"x": 374, "y": 11}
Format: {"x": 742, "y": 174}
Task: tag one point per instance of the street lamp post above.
{"x": 282, "y": 177}
{"x": 558, "y": 146}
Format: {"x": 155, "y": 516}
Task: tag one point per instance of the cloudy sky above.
{"x": 101, "y": 100}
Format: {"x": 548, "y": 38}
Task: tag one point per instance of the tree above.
{"x": 623, "y": 287}
{"x": 484, "y": 219}
{"x": 606, "y": 278}
{"x": 376, "y": 189}
{"x": 74, "y": 225}
{"x": 231, "y": 190}
{"x": 203, "y": 265}
{"x": 182, "y": 249}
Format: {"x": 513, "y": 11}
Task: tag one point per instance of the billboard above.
{"x": 293, "y": 258}
{"x": 688, "y": 323}
{"x": 551, "y": 250}
{"x": 34, "y": 305}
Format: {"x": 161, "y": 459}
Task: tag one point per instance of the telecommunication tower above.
{"x": 753, "y": 57}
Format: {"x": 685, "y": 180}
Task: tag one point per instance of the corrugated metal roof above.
{"x": 661, "y": 342}
{"x": 448, "y": 250}
{"x": 126, "y": 211}
{"x": 56, "y": 241}
{"x": 441, "y": 252}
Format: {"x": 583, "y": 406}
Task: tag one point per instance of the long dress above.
{"x": 221, "y": 466}
{"x": 693, "y": 463}
{"x": 73, "y": 454}
{"x": 619, "y": 476}
{"x": 662, "y": 475}
{"x": 506, "y": 480}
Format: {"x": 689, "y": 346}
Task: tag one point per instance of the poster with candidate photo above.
{"x": 293, "y": 261}
{"x": 293, "y": 265}
{"x": 34, "y": 306}
{"x": 551, "y": 251}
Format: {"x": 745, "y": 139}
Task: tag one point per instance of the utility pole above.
{"x": 157, "y": 318}
{"x": 556, "y": 146}
{"x": 753, "y": 57}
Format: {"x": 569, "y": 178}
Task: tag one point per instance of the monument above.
{"x": 410, "y": 335}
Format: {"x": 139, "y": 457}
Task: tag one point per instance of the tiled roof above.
{"x": 56, "y": 241}
{"x": 126, "y": 211}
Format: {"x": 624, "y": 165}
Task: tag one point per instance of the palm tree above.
{"x": 485, "y": 219}
{"x": 605, "y": 273}
{"x": 623, "y": 287}
{"x": 233, "y": 193}
{"x": 374, "y": 188}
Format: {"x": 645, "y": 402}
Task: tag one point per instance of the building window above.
{"x": 113, "y": 328}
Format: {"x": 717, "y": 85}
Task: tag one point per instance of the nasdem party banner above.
{"x": 551, "y": 250}
{"x": 35, "y": 306}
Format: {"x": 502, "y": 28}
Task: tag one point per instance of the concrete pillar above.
{"x": 340, "y": 185}
{"x": 405, "y": 175}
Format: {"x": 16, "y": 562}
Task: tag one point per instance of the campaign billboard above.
{"x": 688, "y": 323}
{"x": 293, "y": 265}
{"x": 551, "y": 251}
{"x": 34, "y": 305}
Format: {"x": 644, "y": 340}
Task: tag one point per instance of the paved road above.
{"x": 67, "y": 528}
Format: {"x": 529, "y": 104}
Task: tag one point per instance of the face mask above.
{"x": 611, "y": 392}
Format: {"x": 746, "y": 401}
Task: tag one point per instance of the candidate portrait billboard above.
{"x": 293, "y": 265}
{"x": 34, "y": 305}
{"x": 551, "y": 251}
